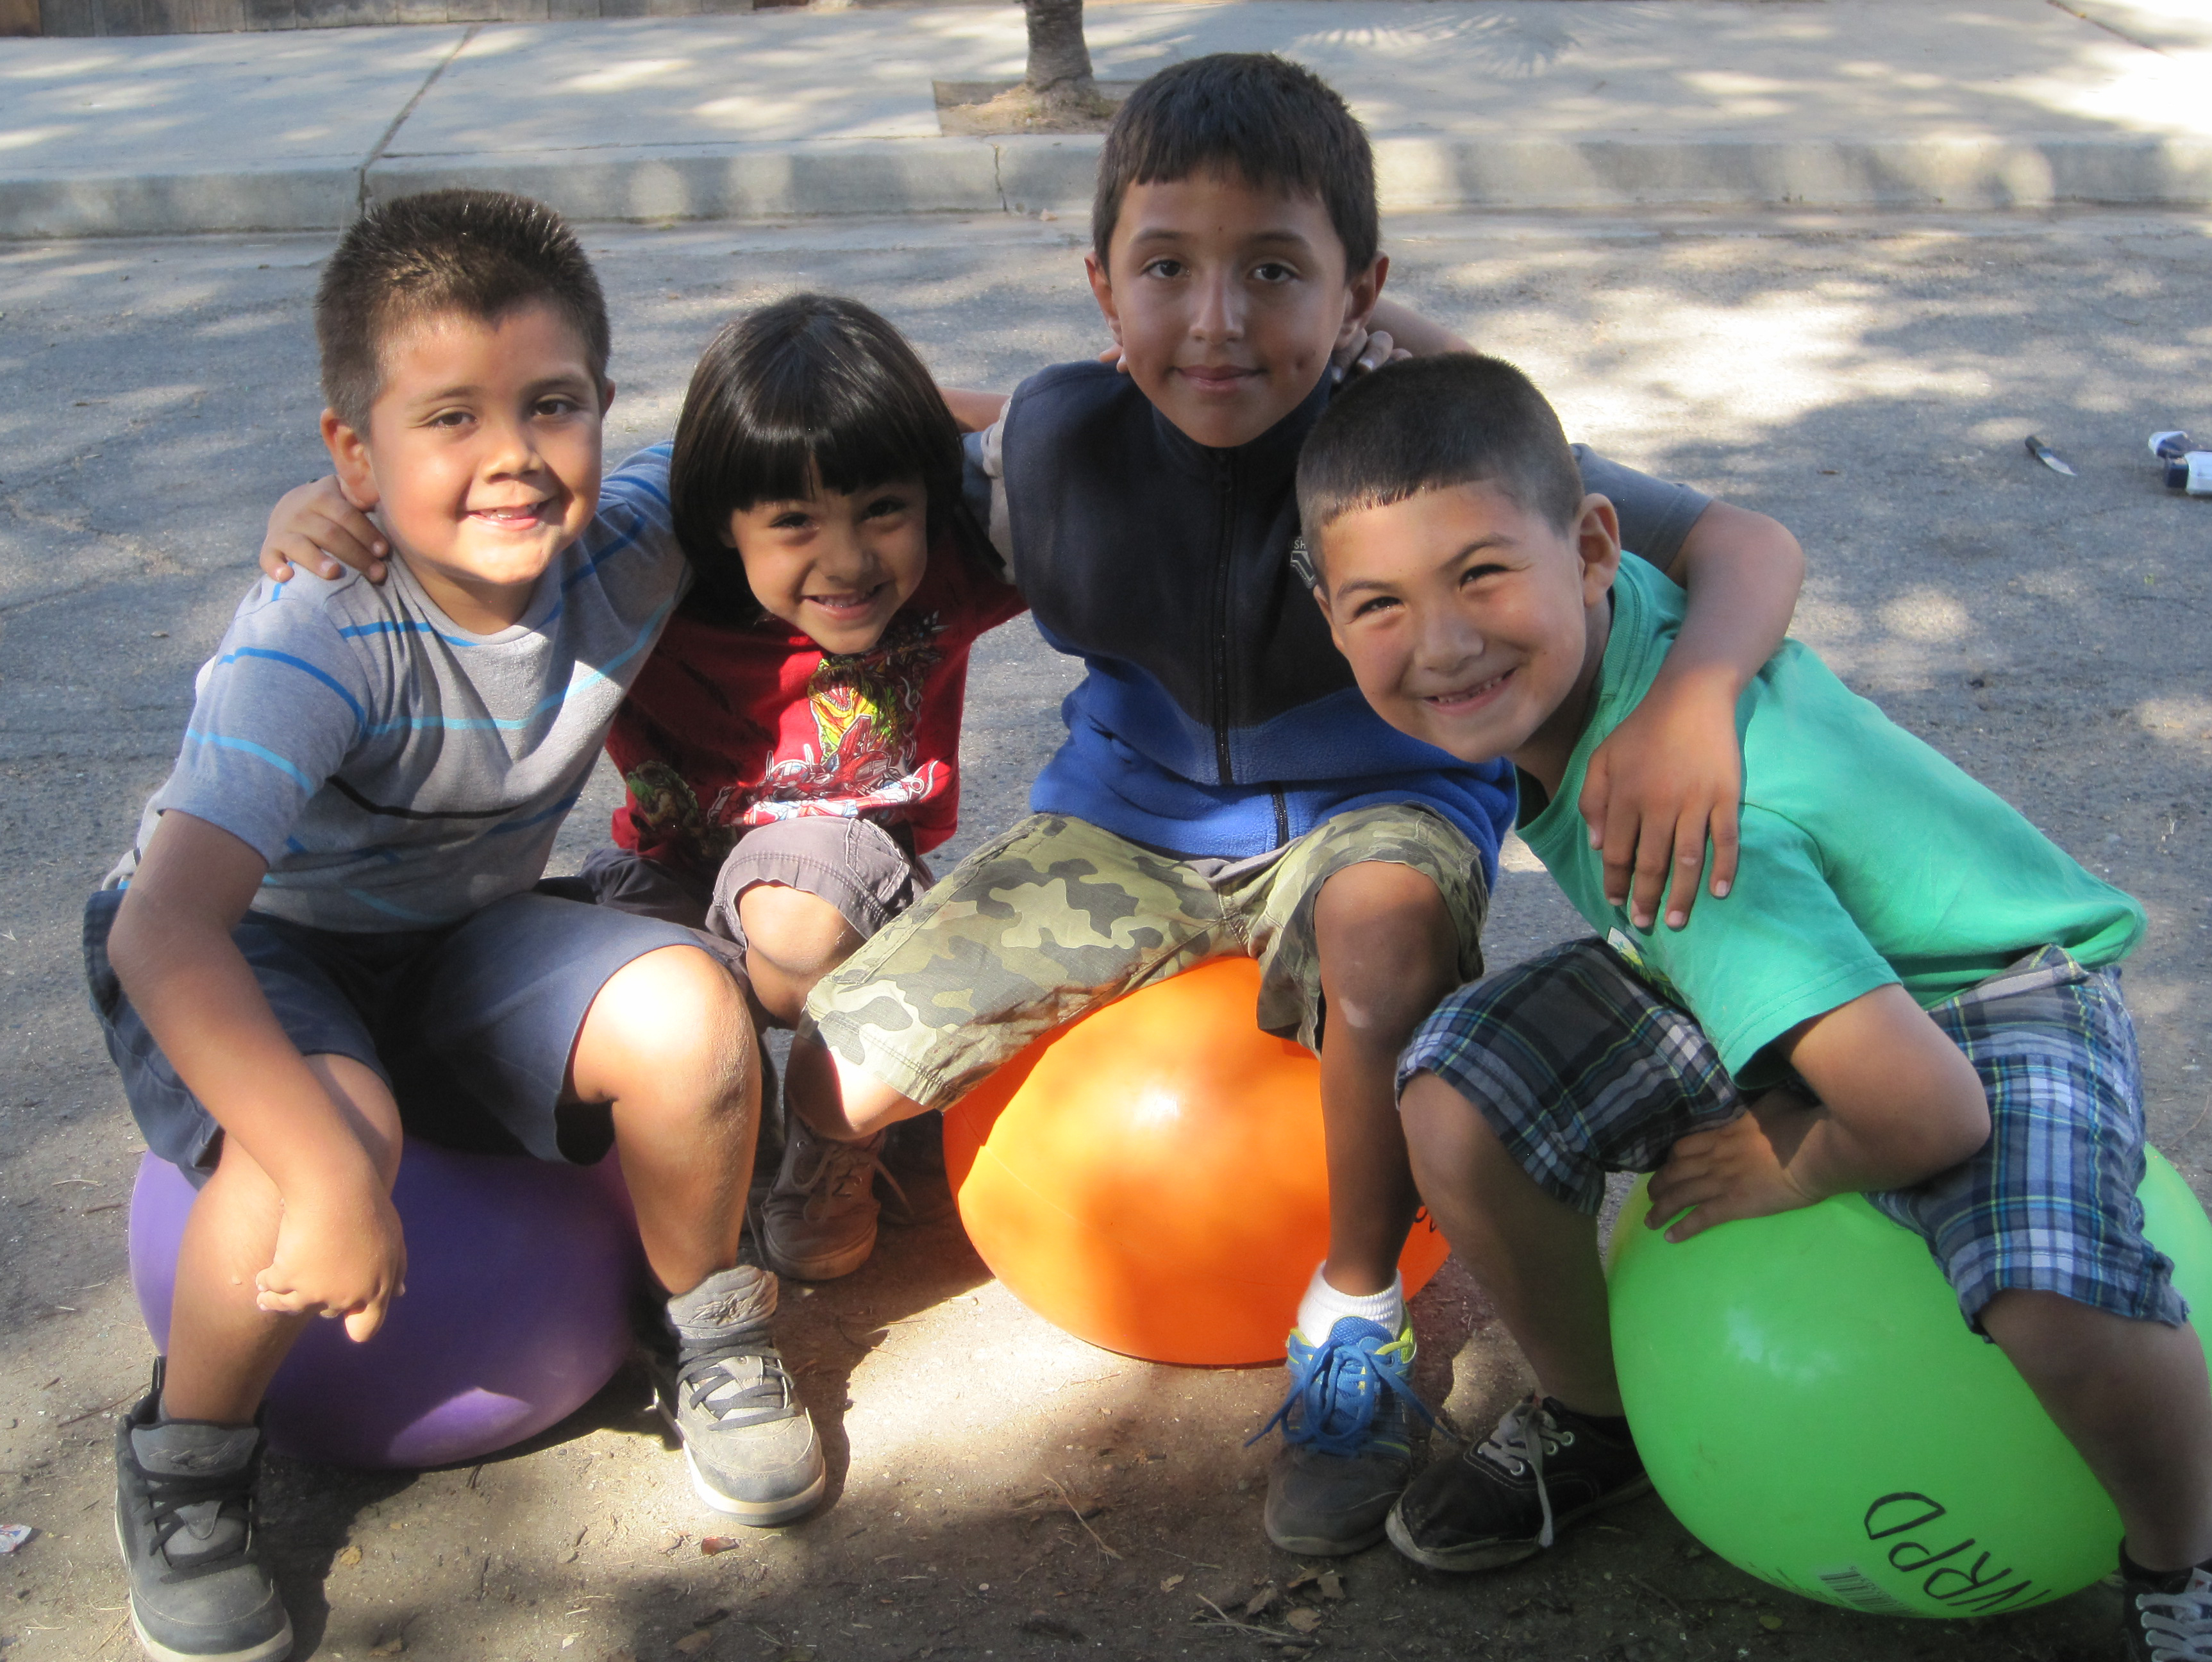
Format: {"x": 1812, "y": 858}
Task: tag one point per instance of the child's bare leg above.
{"x": 836, "y": 1098}
{"x": 668, "y": 1043}
{"x": 793, "y": 939}
{"x": 1388, "y": 953}
{"x": 2132, "y": 1398}
{"x": 223, "y": 1349}
{"x": 1536, "y": 1256}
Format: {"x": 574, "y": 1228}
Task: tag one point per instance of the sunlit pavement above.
{"x": 1529, "y": 104}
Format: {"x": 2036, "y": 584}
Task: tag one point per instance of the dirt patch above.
{"x": 972, "y": 109}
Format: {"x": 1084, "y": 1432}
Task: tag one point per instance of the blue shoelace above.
{"x": 1339, "y": 1387}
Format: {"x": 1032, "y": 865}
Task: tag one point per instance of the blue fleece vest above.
{"x": 1217, "y": 718}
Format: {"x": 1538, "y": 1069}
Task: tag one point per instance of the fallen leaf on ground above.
{"x": 695, "y": 1642}
{"x": 1332, "y": 1585}
{"x": 389, "y": 1648}
{"x": 1168, "y": 1584}
{"x": 350, "y": 1557}
{"x": 1772, "y": 1623}
{"x": 1257, "y": 1605}
{"x": 711, "y": 1544}
{"x": 1303, "y": 1619}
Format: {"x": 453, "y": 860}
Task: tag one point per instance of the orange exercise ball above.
{"x": 1150, "y": 1176}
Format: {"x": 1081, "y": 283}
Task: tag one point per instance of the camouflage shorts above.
{"x": 1058, "y": 917}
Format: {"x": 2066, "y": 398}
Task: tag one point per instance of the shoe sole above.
{"x": 273, "y": 1649}
{"x": 1497, "y": 1554}
{"x": 761, "y": 1514}
{"x": 1320, "y": 1546}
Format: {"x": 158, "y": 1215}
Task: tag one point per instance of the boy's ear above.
{"x": 1597, "y": 540}
{"x": 606, "y": 395}
{"x": 1361, "y": 292}
{"x": 1102, "y": 291}
{"x": 349, "y": 460}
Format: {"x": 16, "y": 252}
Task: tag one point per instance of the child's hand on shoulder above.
{"x": 1666, "y": 779}
{"x": 340, "y": 1255}
{"x": 1739, "y": 1170}
{"x": 315, "y": 527}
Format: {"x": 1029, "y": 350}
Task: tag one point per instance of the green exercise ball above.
{"x": 1811, "y": 1406}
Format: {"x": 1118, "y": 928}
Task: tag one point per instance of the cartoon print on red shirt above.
{"x": 864, "y": 708}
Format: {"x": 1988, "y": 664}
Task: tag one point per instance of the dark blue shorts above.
{"x": 471, "y": 1026}
{"x": 1580, "y": 1068}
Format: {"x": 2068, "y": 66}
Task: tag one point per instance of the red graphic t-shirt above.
{"x": 729, "y": 727}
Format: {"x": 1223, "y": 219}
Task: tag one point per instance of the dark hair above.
{"x": 482, "y": 253}
{"x": 1267, "y": 120}
{"x": 810, "y": 392}
{"x": 1430, "y": 424}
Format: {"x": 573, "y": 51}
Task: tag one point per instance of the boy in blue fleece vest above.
{"x": 1223, "y": 788}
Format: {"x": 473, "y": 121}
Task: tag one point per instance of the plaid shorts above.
{"x": 1581, "y": 1068}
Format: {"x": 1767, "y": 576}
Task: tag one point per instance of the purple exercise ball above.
{"x": 519, "y": 1273}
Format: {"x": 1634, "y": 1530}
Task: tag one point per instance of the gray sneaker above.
{"x": 818, "y": 1221}
{"x": 184, "y": 1518}
{"x": 746, "y": 1436}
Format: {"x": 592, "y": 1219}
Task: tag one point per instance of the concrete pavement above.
{"x": 1568, "y": 104}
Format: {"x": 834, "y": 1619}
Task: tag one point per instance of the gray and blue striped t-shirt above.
{"x": 396, "y": 771}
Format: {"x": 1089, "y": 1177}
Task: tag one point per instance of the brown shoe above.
{"x": 818, "y": 1221}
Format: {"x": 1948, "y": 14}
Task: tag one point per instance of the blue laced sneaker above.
{"x": 1347, "y": 1443}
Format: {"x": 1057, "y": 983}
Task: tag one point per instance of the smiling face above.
{"x": 482, "y": 456}
{"x": 1227, "y": 299}
{"x": 836, "y": 567}
{"x": 1472, "y": 623}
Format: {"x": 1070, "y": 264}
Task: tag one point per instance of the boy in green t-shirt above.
{"x": 1919, "y": 1004}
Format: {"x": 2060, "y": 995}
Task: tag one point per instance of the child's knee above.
{"x": 800, "y": 933}
{"x": 1387, "y": 946}
{"x": 670, "y": 1017}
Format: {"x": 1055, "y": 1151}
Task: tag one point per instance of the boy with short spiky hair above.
{"x": 326, "y": 933}
{"x": 1222, "y": 789}
{"x": 1944, "y": 1034}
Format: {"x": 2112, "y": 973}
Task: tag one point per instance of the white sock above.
{"x": 1323, "y": 1307}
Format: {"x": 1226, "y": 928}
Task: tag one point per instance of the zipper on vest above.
{"x": 1282, "y": 820}
{"x": 1224, "y": 550}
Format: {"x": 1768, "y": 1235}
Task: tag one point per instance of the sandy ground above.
{"x": 1870, "y": 382}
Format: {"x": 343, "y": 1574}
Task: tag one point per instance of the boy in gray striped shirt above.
{"x": 326, "y": 934}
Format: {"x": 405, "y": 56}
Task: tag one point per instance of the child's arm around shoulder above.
{"x": 339, "y": 1251}
{"x": 1671, "y": 774}
{"x": 1899, "y": 1102}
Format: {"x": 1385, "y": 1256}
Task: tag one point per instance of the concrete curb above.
{"x": 891, "y": 177}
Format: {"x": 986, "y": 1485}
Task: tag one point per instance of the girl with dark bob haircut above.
{"x": 791, "y": 751}
{"x": 814, "y": 390}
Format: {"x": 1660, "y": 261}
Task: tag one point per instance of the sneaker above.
{"x": 186, "y": 1521}
{"x": 2168, "y": 1617}
{"x": 1507, "y": 1498}
{"x": 818, "y": 1221}
{"x": 911, "y": 1172}
{"x": 722, "y": 1389}
{"x": 1348, "y": 1443}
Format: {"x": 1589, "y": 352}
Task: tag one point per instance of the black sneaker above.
{"x": 2168, "y": 1617}
{"x": 724, "y": 1391}
{"x": 186, "y": 1521}
{"x": 1507, "y": 1498}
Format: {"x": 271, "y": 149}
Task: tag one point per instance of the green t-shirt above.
{"x": 1867, "y": 857}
